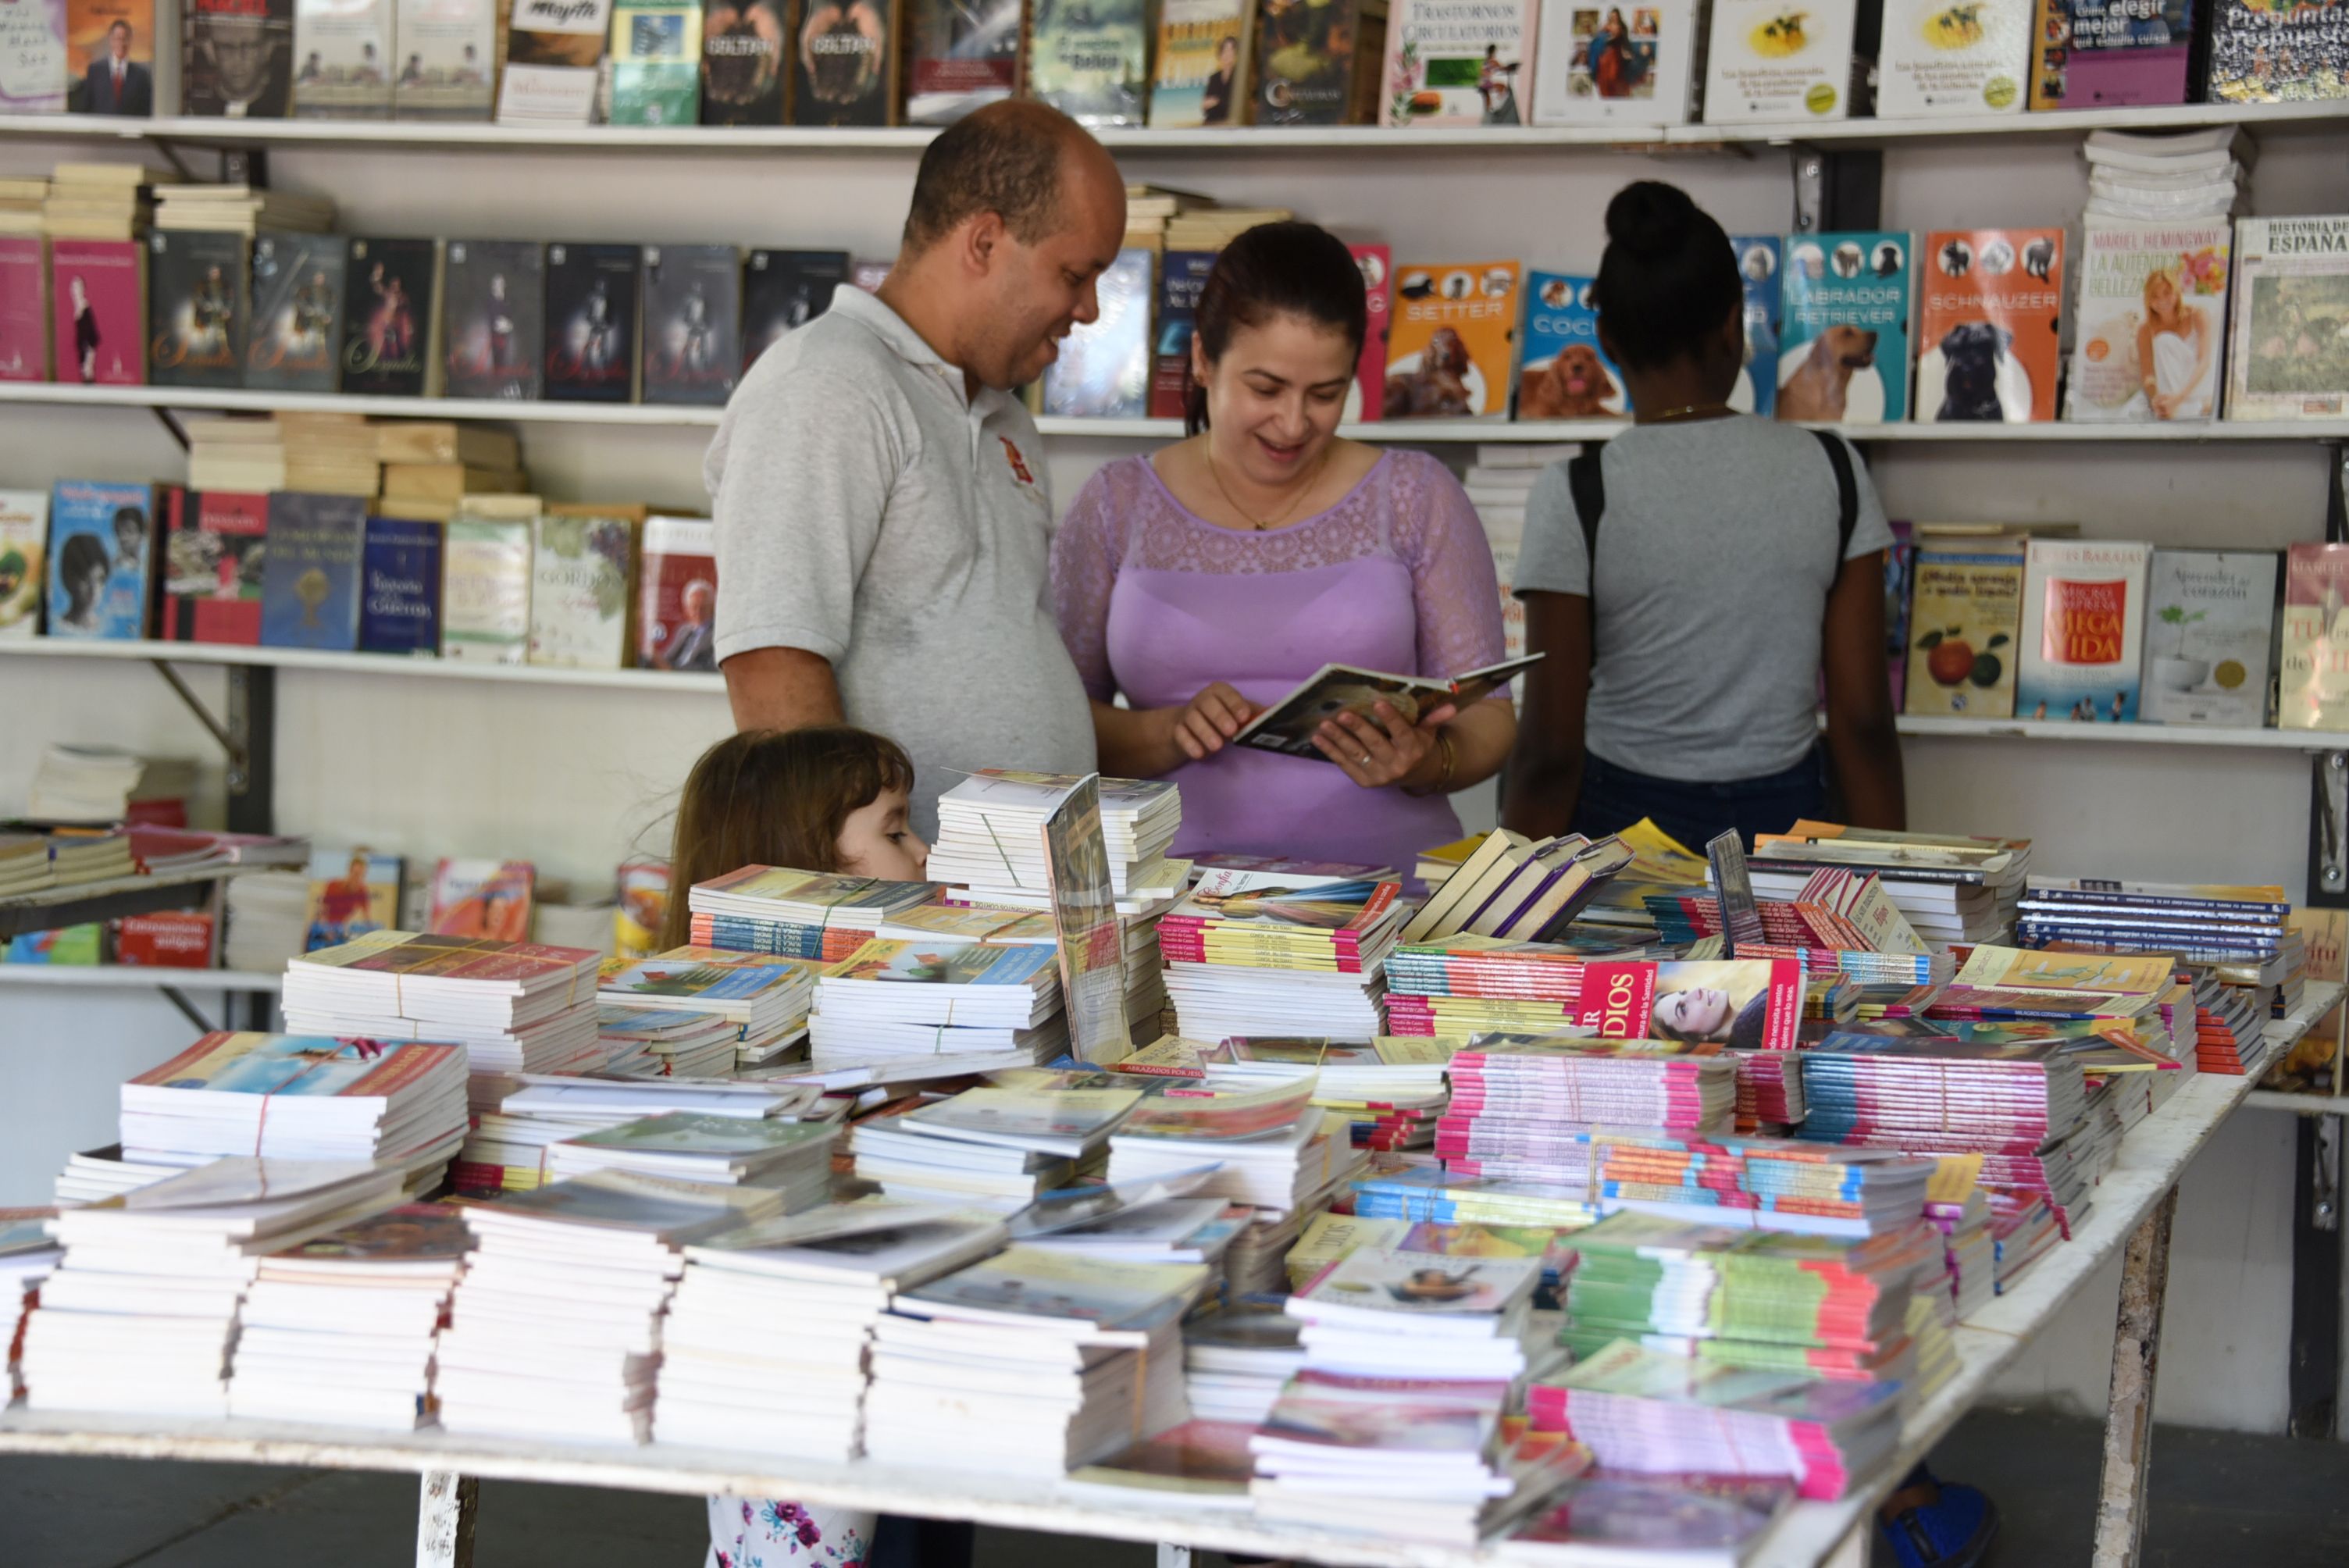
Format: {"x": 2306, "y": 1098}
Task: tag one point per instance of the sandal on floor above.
{"x": 1935, "y": 1524}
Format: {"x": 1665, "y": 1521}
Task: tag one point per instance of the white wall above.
{"x": 576, "y": 780}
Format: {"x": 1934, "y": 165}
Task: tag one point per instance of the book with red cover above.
{"x": 98, "y": 305}
{"x": 1740, "y": 1002}
{"x": 213, "y": 556}
{"x": 677, "y": 595}
{"x": 1378, "y": 302}
{"x": 172, "y": 939}
{"x": 24, "y": 310}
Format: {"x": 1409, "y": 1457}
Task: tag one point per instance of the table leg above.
{"x": 444, "y": 1521}
{"x": 2128, "y": 1418}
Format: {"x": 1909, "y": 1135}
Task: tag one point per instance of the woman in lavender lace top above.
{"x": 1208, "y": 579}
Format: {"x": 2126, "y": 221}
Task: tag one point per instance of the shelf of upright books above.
{"x": 1247, "y": 140}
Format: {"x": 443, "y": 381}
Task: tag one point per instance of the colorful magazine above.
{"x": 303, "y": 1067}
{"x": 1289, "y": 724}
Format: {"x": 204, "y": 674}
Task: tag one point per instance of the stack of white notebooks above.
{"x": 1271, "y": 1148}
{"x": 728, "y": 1379}
{"x": 554, "y": 1331}
{"x": 897, "y": 999}
{"x": 644, "y": 1042}
{"x": 991, "y": 835}
{"x": 141, "y": 1313}
{"x": 339, "y": 1329}
{"x": 992, "y": 1148}
{"x": 515, "y": 1006}
{"x": 298, "y": 1096}
{"x": 1029, "y": 1363}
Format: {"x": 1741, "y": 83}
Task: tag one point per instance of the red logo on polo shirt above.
{"x": 1019, "y": 464}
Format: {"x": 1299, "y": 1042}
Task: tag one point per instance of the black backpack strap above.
{"x": 1846, "y": 493}
{"x": 1589, "y": 488}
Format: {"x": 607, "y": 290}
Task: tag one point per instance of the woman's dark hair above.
{"x": 1668, "y": 280}
{"x": 1274, "y": 269}
{"x": 81, "y": 555}
{"x": 774, "y": 798}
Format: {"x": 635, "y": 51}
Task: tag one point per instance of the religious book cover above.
{"x": 1595, "y": 62}
{"x": 235, "y": 58}
{"x": 214, "y": 546}
{"x": 496, "y": 318}
{"x": 310, "y": 586}
{"x": 196, "y": 308}
{"x": 591, "y": 296}
{"x": 693, "y": 324}
{"x": 390, "y": 318}
{"x": 294, "y": 342}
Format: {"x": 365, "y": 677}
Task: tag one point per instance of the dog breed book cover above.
{"x": 1843, "y": 349}
{"x": 1757, "y": 274}
{"x": 1567, "y": 374}
{"x": 1453, "y": 349}
{"x": 1992, "y": 341}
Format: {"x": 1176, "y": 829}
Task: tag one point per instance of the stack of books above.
{"x": 2024, "y": 1229}
{"x": 1461, "y": 985}
{"x": 555, "y": 1328}
{"x": 796, "y": 914}
{"x": 728, "y": 1381}
{"x": 2229, "y": 1023}
{"x": 990, "y": 1148}
{"x": 791, "y": 1157}
{"x": 991, "y": 838}
{"x": 101, "y": 1173}
{"x": 1949, "y": 888}
{"x": 1970, "y": 1249}
{"x": 139, "y": 1315}
{"x": 1394, "y": 1423}
{"x": 78, "y": 857}
{"x": 1391, "y": 1090}
{"x": 268, "y": 921}
{"x": 989, "y": 1006}
{"x": 1522, "y": 1108}
{"x": 517, "y": 1120}
{"x": 1516, "y": 887}
{"x": 514, "y": 1006}
{"x": 1644, "y": 1411}
{"x": 1435, "y": 1195}
{"x": 1243, "y": 957}
{"x": 1761, "y": 1183}
{"x": 648, "y": 1042}
{"x": 1271, "y": 1148}
{"x": 1827, "y": 1307}
{"x": 1029, "y": 1363}
{"x": 766, "y": 998}
{"x": 239, "y": 208}
{"x": 1152, "y": 1226}
{"x": 298, "y": 1096}
{"x": 339, "y": 1329}
{"x": 24, "y": 864}
{"x": 27, "y": 1253}
{"x": 1235, "y": 1362}
{"x": 1770, "y": 1092}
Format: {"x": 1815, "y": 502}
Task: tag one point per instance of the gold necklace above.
{"x": 1263, "y": 524}
{"x": 1687, "y": 411}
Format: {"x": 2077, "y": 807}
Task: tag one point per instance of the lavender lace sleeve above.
{"x": 1084, "y": 570}
{"x": 1453, "y": 585}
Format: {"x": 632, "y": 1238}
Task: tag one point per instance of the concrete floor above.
{"x": 2215, "y": 1495}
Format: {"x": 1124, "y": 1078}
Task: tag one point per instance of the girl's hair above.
{"x": 1667, "y": 281}
{"x": 774, "y": 798}
{"x": 1274, "y": 269}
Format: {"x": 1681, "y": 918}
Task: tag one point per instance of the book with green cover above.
{"x": 718, "y": 1136}
{"x": 1088, "y": 58}
{"x": 656, "y": 62}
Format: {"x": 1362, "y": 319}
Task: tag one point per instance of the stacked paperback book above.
{"x": 1235, "y": 1363}
{"x": 729, "y": 1381}
{"x": 1948, "y": 888}
{"x": 515, "y": 1006}
{"x": 1477, "y": 985}
{"x": 516, "y": 1121}
{"x": 1766, "y": 1184}
{"x": 1030, "y": 1363}
{"x": 2177, "y": 178}
{"x": 26, "y": 1256}
{"x": 987, "y": 1006}
{"x": 796, "y": 914}
{"x": 991, "y": 838}
{"x": 1270, "y": 1147}
{"x": 298, "y": 1096}
{"x": 791, "y": 1157}
{"x": 141, "y": 1313}
{"x": 339, "y": 1329}
{"x": 1523, "y": 1107}
{"x": 990, "y": 1148}
{"x": 1517, "y": 888}
{"x": 766, "y": 998}
{"x": 1245, "y": 955}
{"x": 554, "y": 1331}
{"x": 661, "y": 1042}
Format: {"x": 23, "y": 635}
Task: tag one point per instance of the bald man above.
{"x": 884, "y": 525}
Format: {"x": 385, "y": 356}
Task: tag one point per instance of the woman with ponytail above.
{"x": 1690, "y": 579}
{"x": 1208, "y": 579}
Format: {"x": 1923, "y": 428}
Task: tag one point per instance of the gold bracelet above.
{"x": 1443, "y": 786}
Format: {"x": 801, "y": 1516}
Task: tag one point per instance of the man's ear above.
{"x": 979, "y": 243}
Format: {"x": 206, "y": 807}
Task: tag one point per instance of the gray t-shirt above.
{"x": 868, "y": 512}
{"x": 1716, "y": 550}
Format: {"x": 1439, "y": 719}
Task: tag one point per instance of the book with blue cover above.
{"x": 102, "y": 559}
{"x": 1567, "y": 373}
{"x": 1844, "y": 344}
{"x": 1757, "y": 274}
{"x": 400, "y": 598}
{"x": 310, "y": 581}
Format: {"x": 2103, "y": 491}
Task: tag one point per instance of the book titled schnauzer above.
{"x": 1990, "y": 345}
{"x": 1843, "y": 347}
{"x": 1289, "y": 724}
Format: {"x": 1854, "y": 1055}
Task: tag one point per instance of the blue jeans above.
{"x": 1614, "y": 797}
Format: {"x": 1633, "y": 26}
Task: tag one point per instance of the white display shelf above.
{"x": 1408, "y": 432}
{"x": 361, "y": 663}
{"x": 133, "y": 977}
{"x": 2150, "y": 1159}
{"x": 477, "y": 136}
{"x": 2242, "y": 740}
